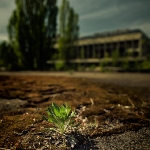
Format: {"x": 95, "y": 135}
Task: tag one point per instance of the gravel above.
{"x": 131, "y": 140}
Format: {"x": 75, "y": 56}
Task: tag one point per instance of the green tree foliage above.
{"x": 8, "y": 57}
{"x": 32, "y": 29}
{"x": 115, "y": 57}
{"x": 68, "y": 31}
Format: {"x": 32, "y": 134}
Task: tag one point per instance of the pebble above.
{"x": 131, "y": 140}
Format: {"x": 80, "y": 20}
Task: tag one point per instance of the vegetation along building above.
{"x": 112, "y": 48}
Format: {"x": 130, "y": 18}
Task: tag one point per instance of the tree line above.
{"x": 32, "y": 31}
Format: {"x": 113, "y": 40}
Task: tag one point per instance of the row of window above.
{"x": 106, "y": 50}
{"x": 113, "y": 45}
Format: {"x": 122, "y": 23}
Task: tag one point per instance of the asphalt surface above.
{"x": 131, "y": 140}
{"x": 124, "y": 79}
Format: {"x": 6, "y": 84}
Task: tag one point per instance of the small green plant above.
{"x": 61, "y": 117}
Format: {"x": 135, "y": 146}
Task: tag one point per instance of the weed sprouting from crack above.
{"x": 69, "y": 127}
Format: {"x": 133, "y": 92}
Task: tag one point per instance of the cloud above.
{"x": 3, "y": 37}
{"x": 115, "y": 15}
{"x": 145, "y": 26}
{"x": 101, "y": 14}
{"x": 96, "y": 15}
{"x": 6, "y": 8}
{"x": 6, "y": 4}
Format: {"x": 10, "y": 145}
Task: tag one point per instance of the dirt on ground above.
{"x": 23, "y": 100}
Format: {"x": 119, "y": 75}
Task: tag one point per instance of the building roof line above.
{"x": 114, "y": 33}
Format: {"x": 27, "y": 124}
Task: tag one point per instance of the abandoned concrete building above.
{"x": 124, "y": 44}
{"x": 103, "y": 45}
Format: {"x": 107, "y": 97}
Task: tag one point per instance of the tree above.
{"x": 32, "y": 30}
{"x": 115, "y": 57}
{"x": 8, "y": 58}
{"x": 68, "y": 32}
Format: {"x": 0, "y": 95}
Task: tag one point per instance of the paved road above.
{"x": 127, "y": 79}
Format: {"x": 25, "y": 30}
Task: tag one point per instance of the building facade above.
{"x": 99, "y": 47}
{"x": 120, "y": 44}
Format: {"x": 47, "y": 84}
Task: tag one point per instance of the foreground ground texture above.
{"x": 119, "y": 114}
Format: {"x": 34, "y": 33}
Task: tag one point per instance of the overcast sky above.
{"x": 96, "y": 15}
